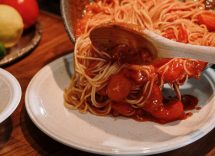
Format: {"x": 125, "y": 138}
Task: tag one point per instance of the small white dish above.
{"x": 10, "y": 94}
{"x": 113, "y": 136}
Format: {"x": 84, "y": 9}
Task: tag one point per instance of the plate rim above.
{"x": 17, "y": 94}
{"x": 194, "y": 135}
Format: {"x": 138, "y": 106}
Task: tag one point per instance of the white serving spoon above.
{"x": 107, "y": 36}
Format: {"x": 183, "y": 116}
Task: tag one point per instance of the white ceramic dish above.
{"x": 108, "y": 135}
{"x": 10, "y": 94}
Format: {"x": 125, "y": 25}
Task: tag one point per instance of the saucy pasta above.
{"x": 117, "y": 82}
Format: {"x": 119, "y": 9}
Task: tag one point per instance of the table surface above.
{"x": 19, "y": 136}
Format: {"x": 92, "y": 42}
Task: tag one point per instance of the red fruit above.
{"x": 28, "y": 9}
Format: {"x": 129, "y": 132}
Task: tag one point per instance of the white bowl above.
{"x": 10, "y": 94}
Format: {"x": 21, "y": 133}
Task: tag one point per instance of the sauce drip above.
{"x": 189, "y": 102}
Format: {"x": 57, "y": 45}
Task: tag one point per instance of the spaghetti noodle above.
{"x": 103, "y": 84}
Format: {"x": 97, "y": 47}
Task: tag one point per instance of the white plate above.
{"x": 10, "y": 94}
{"x": 108, "y": 135}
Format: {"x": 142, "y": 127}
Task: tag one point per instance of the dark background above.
{"x": 52, "y": 6}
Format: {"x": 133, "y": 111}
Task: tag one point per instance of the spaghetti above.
{"x": 117, "y": 82}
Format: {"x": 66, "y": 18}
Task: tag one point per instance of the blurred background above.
{"x": 52, "y": 6}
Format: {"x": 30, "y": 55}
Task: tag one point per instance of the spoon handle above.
{"x": 169, "y": 49}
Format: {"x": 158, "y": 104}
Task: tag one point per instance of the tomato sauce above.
{"x": 90, "y": 10}
{"x": 190, "y": 102}
{"x": 210, "y": 4}
{"x": 123, "y": 54}
{"x": 182, "y": 34}
{"x": 156, "y": 108}
{"x": 198, "y": 108}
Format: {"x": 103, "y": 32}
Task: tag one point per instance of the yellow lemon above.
{"x": 11, "y": 26}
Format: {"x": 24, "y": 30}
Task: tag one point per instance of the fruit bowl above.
{"x": 29, "y": 40}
